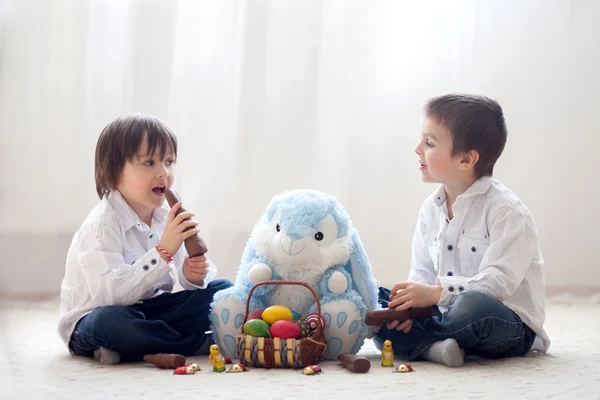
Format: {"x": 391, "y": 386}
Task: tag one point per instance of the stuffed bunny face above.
{"x": 304, "y": 231}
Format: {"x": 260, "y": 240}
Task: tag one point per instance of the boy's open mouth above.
{"x": 159, "y": 189}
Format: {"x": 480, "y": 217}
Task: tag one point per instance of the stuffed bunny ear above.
{"x": 360, "y": 269}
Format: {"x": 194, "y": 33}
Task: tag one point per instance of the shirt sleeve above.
{"x": 179, "y": 258}
{"x": 421, "y": 268}
{"x": 109, "y": 279}
{"x": 505, "y": 262}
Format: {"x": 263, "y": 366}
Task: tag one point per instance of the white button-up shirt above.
{"x": 112, "y": 261}
{"x": 490, "y": 246}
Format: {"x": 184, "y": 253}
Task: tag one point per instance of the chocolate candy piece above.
{"x": 180, "y": 370}
{"x": 383, "y": 315}
{"x": 194, "y": 245}
{"x": 311, "y": 370}
{"x": 404, "y": 368}
{"x": 355, "y": 363}
{"x": 193, "y": 367}
{"x": 387, "y": 354}
{"x": 165, "y": 360}
{"x": 237, "y": 368}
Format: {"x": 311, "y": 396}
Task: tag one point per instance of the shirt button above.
{"x": 451, "y": 289}
{"x": 153, "y": 261}
{"x": 473, "y": 249}
{"x": 151, "y": 235}
{"x": 450, "y": 273}
{"x": 450, "y": 247}
{"x": 461, "y": 289}
{"x": 146, "y": 268}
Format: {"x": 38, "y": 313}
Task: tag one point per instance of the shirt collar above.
{"x": 128, "y": 217}
{"x": 480, "y": 186}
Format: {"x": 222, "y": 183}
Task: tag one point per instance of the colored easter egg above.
{"x": 313, "y": 318}
{"x": 285, "y": 329}
{"x": 256, "y": 314}
{"x": 295, "y": 315}
{"x": 256, "y": 327}
{"x": 276, "y": 313}
{"x": 304, "y": 327}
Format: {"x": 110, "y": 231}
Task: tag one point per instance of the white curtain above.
{"x": 267, "y": 96}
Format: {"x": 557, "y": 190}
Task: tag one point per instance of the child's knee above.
{"x": 206, "y": 296}
{"x": 219, "y": 284}
{"x": 103, "y": 319}
{"x": 473, "y": 300}
{"x": 108, "y": 313}
{"x": 472, "y": 306}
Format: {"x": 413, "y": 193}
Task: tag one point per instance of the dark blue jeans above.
{"x": 481, "y": 325}
{"x": 170, "y": 323}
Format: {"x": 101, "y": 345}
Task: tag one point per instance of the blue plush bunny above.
{"x": 305, "y": 236}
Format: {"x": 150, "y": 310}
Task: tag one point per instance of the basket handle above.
{"x": 282, "y": 283}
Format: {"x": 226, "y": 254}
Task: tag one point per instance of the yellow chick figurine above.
{"x": 387, "y": 354}
{"x": 216, "y": 359}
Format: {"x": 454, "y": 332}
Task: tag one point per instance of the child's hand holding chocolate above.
{"x": 195, "y": 269}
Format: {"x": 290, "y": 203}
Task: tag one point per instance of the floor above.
{"x": 36, "y": 365}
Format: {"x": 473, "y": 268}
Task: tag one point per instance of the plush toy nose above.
{"x": 293, "y": 237}
{"x": 287, "y": 244}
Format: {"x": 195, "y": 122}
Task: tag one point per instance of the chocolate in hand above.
{"x": 383, "y": 315}
{"x": 194, "y": 245}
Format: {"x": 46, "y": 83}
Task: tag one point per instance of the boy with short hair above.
{"x": 116, "y": 297}
{"x": 475, "y": 255}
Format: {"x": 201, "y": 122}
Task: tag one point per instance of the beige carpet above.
{"x": 36, "y": 366}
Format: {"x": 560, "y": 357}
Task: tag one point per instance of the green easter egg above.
{"x": 257, "y": 328}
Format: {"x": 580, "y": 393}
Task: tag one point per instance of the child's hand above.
{"x": 409, "y": 294}
{"x": 174, "y": 234}
{"x": 404, "y": 326}
{"x": 195, "y": 269}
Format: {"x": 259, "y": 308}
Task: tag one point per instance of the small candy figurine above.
{"x": 227, "y": 360}
{"x": 404, "y": 368}
{"x": 180, "y": 370}
{"x": 191, "y": 368}
{"x": 237, "y": 368}
{"x": 312, "y": 370}
{"x": 387, "y": 354}
{"x": 187, "y": 369}
{"x": 216, "y": 359}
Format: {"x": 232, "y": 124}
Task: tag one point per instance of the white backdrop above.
{"x": 267, "y": 96}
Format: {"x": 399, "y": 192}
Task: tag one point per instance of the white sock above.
{"x": 106, "y": 356}
{"x": 445, "y": 352}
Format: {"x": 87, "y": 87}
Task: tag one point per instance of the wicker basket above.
{"x": 282, "y": 353}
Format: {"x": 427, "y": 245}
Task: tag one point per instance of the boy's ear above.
{"x": 468, "y": 159}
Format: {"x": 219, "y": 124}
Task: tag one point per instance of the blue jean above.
{"x": 481, "y": 325}
{"x": 169, "y": 323}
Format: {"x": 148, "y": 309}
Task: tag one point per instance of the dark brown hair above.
{"x": 120, "y": 142}
{"x": 475, "y": 123}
